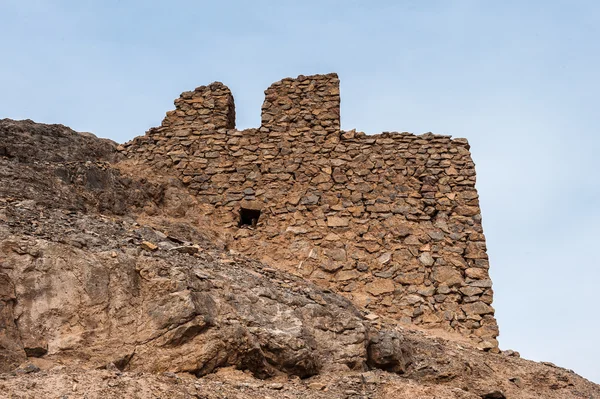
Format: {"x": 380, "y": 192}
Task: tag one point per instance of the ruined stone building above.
{"x": 392, "y": 221}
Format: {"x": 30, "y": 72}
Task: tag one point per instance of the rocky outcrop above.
{"x": 30, "y": 142}
{"x": 142, "y": 300}
{"x": 55, "y": 167}
{"x": 144, "y": 314}
{"x": 171, "y": 311}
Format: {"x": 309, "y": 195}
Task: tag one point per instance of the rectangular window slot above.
{"x": 248, "y": 217}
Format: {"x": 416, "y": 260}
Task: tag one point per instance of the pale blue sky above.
{"x": 519, "y": 79}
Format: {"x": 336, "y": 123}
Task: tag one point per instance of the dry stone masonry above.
{"x": 308, "y": 105}
{"x": 206, "y": 108}
{"x": 392, "y": 220}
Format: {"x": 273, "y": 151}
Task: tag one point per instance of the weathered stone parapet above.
{"x": 206, "y": 108}
{"x": 392, "y": 220}
{"x": 305, "y": 104}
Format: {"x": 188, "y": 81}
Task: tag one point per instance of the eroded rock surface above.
{"x": 170, "y": 311}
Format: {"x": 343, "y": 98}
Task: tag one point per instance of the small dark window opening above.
{"x": 248, "y": 217}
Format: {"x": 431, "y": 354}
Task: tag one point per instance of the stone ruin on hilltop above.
{"x": 392, "y": 221}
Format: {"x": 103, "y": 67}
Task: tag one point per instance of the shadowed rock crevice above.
{"x": 388, "y": 351}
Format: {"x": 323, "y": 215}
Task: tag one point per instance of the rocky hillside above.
{"x": 112, "y": 286}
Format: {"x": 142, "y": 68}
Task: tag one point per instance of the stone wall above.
{"x": 207, "y": 107}
{"x": 306, "y": 105}
{"x": 391, "y": 220}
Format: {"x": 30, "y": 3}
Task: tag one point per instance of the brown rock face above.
{"x": 111, "y": 283}
{"x": 403, "y": 208}
{"x": 12, "y": 352}
{"x": 175, "y": 312}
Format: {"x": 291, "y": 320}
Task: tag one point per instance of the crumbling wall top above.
{"x": 206, "y": 108}
{"x": 304, "y": 104}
